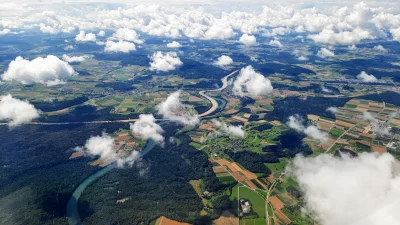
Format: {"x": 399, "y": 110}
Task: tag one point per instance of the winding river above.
{"x": 72, "y": 206}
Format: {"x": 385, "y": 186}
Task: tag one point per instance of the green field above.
{"x": 196, "y": 145}
{"x": 336, "y": 132}
{"x": 257, "y": 202}
{"x": 280, "y": 166}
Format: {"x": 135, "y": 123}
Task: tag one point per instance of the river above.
{"x": 72, "y": 206}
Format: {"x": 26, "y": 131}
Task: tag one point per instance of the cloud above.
{"x": 146, "y": 128}
{"x": 174, "y": 44}
{"x": 296, "y": 122}
{"x": 173, "y": 109}
{"x": 251, "y": 82}
{"x": 4, "y": 31}
{"x": 395, "y": 34}
{"x": 248, "y": 40}
{"x": 125, "y": 34}
{"x": 101, "y": 33}
{"x": 104, "y": 146}
{"x": 332, "y": 110}
{"x": 275, "y": 43}
{"x": 380, "y": 49}
{"x": 328, "y": 36}
{"x": 68, "y": 47}
{"x": 326, "y": 90}
{"x": 48, "y": 29}
{"x": 216, "y": 32}
{"x": 359, "y": 190}
{"x": 366, "y": 77}
{"x": 378, "y": 126}
{"x": 224, "y": 60}
{"x": 71, "y": 59}
{"x": 50, "y": 71}
{"x": 16, "y": 111}
{"x": 120, "y": 46}
{"x": 83, "y": 37}
{"x": 324, "y": 52}
{"x": 352, "y": 47}
{"x": 224, "y": 129}
{"x": 164, "y": 62}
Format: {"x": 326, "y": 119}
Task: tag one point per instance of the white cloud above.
{"x": 104, "y": 146}
{"x": 101, "y": 33}
{"x": 378, "y": 126}
{"x": 324, "y": 52}
{"x": 70, "y": 59}
{"x": 395, "y": 33}
{"x": 251, "y": 82}
{"x": 125, "y": 34}
{"x": 296, "y": 122}
{"x": 326, "y": 90}
{"x": 146, "y": 128}
{"x": 50, "y": 70}
{"x": 68, "y": 47}
{"x": 48, "y": 29}
{"x": 332, "y": 110}
{"x": 361, "y": 190}
{"x": 230, "y": 130}
{"x": 173, "y": 109}
{"x": 174, "y": 44}
{"x": 302, "y": 58}
{"x": 164, "y": 62}
{"x": 216, "y": 32}
{"x": 316, "y": 133}
{"x": 366, "y": 77}
{"x": 120, "y": 46}
{"x": 352, "y": 47}
{"x": 275, "y": 43}
{"x": 380, "y": 49}
{"x": 248, "y": 40}
{"x": 328, "y": 36}
{"x": 16, "y": 111}
{"x": 83, "y": 37}
{"x": 4, "y": 31}
{"x": 224, "y": 60}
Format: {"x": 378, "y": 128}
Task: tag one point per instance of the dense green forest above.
{"x": 36, "y": 175}
{"x": 163, "y": 189}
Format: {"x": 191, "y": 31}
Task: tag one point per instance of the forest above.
{"x": 161, "y": 189}
{"x": 36, "y": 175}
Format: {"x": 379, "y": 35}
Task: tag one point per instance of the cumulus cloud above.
{"x": 324, "y": 52}
{"x": 224, "y": 129}
{"x": 104, "y": 146}
{"x": 50, "y": 70}
{"x": 214, "y": 32}
{"x": 4, "y": 31}
{"x": 174, "y": 44}
{"x": 378, "y": 126}
{"x": 251, "y": 82}
{"x": 164, "y": 62}
{"x": 71, "y": 59}
{"x": 359, "y": 190}
{"x": 101, "y": 33}
{"x": 395, "y": 33}
{"x": 173, "y": 109}
{"x": 296, "y": 122}
{"x": 366, "y": 77}
{"x": 224, "y": 60}
{"x": 332, "y": 110}
{"x": 16, "y": 111}
{"x": 125, "y": 34}
{"x": 328, "y": 36}
{"x": 146, "y": 128}
{"x": 275, "y": 43}
{"x": 248, "y": 40}
{"x": 120, "y": 46}
{"x": 352, "y": 47}
{"x": 83, "y": 37}
{"x": 380, "y": 49}
{"x": 68, "y": 47}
